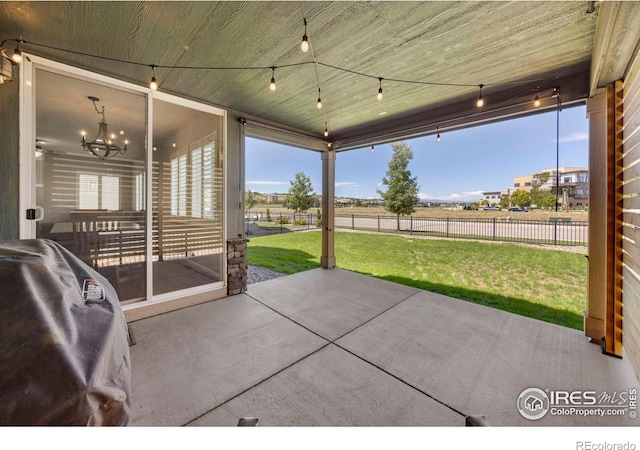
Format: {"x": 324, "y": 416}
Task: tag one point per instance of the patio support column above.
{"x": 328, "y": 259}
{"x": 599, "y": 165}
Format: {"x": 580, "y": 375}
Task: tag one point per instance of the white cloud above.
{"x": 346, "y": 184}
{"x": 266, "y": 183}
{"x": 469, "y": 196}
{"x": 574, "y": 137}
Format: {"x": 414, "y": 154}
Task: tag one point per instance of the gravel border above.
{"x": 256, "y": 274}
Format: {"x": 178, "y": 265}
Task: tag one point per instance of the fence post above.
{"x": 410, "y": 224}
{"x": 447, "y": 226}
{"x": 280, "y": 223}
{"x": 494, "y": 228}
{"x": 378, "y": 223}
{"x": 555, "y": 231}
{"x": 353, "y": 222}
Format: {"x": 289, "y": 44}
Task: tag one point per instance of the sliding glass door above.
{"x": 89, "y": 183}
{"x": 130, "y": 181}
{"x": 187, "y": 197}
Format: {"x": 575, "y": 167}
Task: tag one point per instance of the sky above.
{"x": 457, "y": 169}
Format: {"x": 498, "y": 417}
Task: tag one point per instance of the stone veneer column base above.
{"x": 236, "y": 266}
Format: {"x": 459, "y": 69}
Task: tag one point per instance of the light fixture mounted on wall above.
{"x": 6, "y": 67}
{"x": 103, "y": 145}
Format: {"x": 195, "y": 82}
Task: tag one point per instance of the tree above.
{"x": 504, "y": 201}
{"x": 548, "y": 200}
{"x": 536, "y": 193}
{"x": 401, "y": 196}
{"x": 250, "y": 200}
{"x": 300, "y": 196}
{"x": 520, "y": 198}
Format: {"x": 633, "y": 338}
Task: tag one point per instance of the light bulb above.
{"x": 380, "y": 94}
{"x": 372, "y": 149}
{"x": 17, "y": 55}
{"x": 154, "y": 84}
{"x": 319, "y": 104}
{"x": 173, "y": 144}
{"x": 326, "y": 132}
{"x": 304, "y": 45}
{"x": 438, "y": 137}
{"x": 536, "y": 102}
{"x": 272, "y": 86}
{"x": 480, "y": 102}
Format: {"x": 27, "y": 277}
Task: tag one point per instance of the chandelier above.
{"x": 103, "y": 145}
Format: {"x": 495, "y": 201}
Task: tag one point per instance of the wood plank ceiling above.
{"x": 494, "y": 43}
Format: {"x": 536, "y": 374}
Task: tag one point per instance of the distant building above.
{"x": 492, "y": 197}
{"x": 573, "y": 185}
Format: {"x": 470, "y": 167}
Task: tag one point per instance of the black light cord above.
{"x": 270, "y": 67}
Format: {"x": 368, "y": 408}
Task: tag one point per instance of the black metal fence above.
{"x": 555, "y": 231}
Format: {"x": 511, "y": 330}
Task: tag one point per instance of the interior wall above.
{"x": 9, "y": 158}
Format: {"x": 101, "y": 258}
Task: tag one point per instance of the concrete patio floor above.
{"x": 336, "y": 348}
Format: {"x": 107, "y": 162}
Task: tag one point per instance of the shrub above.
{"x": 282, "y": 220}
{"x": 300, "y": 222}
{"x": 268, "y": 215}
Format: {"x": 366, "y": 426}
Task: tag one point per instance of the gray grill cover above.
{"x": 62, "y": 362}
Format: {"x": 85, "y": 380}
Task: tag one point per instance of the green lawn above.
{"x": 549, "y": 285}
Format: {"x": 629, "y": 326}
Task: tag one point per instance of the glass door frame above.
{"x": 27, "y": 125}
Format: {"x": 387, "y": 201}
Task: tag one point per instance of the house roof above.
{"x": 517, "y": 49}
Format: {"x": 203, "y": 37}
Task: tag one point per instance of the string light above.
{"x": 438, "y": 136}
{"x": 173, "y": 144}
{"x": 304, "y": 45}
{"x": 326, "y": 129}
{"x": 480, "y": 102}
{"x": 153, "y": 85}
{"x": 329, "y": 144}
{"x": 272, "y": 86}
{"x": 372, "y": 148}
